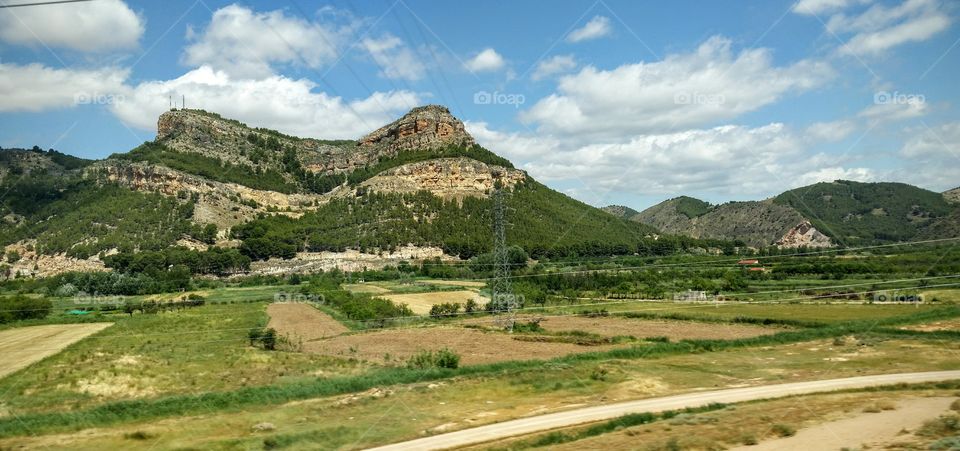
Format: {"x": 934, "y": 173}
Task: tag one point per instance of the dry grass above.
{"x": 420, "y": 303}
{"x": 23, "y": 346}
{"x": 472, "y": 345}
{"x": 302, "y": 322}
{"x": 611, "y": 326}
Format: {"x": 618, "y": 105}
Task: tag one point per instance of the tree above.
{"x": 254, "y": 335}
{"x": 269, "y": 339}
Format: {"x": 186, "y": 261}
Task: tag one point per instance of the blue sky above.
{"x": 611, "y": 102}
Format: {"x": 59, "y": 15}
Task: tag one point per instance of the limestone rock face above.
{"x": 804, "y": 234}
{"x": 223, "y": 204}
{"x": 425, "y": 127}
{"x": 445, "y": 177}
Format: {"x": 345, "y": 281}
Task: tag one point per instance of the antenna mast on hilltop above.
{"x": 501, "y": 294}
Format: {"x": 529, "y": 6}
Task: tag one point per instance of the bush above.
{"x": 444, "y": 358}
{"x": 20, "y": 307}
{"x": 269, "y": 339}
{"x": 784, "y": 430}
{"x": 445, "y": 309}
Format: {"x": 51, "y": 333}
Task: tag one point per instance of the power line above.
{"x": 56, "y": 2}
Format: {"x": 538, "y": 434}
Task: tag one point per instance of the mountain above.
{"x": 824, "y": 214}
{"x": 620, "y": 211}
{"x": 420, "y": 182}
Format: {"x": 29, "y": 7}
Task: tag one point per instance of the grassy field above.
{"x": 821, "y": 313}
{"x": 147, "y": 355}
{"x": 390, "y": 413}
{"x": 197, "y": 361}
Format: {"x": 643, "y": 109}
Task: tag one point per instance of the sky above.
{"x": 611, "y": 102}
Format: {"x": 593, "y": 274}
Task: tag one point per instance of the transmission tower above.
{"x": 501, "y": 295}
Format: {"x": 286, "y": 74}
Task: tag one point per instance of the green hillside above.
{"x": 542, "y": 221}
{"x": 855, "y": 213}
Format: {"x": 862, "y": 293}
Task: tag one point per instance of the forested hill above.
{"x": 824, "y": 214}
{"x": 211, "y": 182}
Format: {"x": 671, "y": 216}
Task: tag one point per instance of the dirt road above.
{"x": 606, "y": 412}
{"x": 23, "y": 346}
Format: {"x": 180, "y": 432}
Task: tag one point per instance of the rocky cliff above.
{"x": 425, "y": 127}
{"x": 804, "y": 235}
{"x": 445, "y": 177}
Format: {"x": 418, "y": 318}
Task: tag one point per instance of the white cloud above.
{"x": 34, "y": 87}
{"x": 246, "y": 44}
{"x": 812, "y": 7}
{"x": 728, "y": 161}
{"x": 932, "y": 156}
{"x": 830, "y": 131}
{"x": 88, "y": 26}
{"x": 679, "y": 92}
{"x": 277, "y": 102}
{"x": 552, "y": 66}
{"x": 914, "y": 30}
{"x": 906, "y": 107}
{"x": 880, "y": 27}
{"x": 395, "y": 59}
{"x": 487, "y": 60}
{"x": 940, "y": 141}
{"x": 597, "y": 27}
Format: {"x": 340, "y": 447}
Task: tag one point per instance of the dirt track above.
{"x": 302, "y": 321}
{"x": 23, "y": 346}
{"x": 605, "y": 412}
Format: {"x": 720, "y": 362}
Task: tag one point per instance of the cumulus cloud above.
{"x": 552, "y": 66}
{"x": 486, "y": 61}
{"x": 726, "y": 161}
{"x": 88, "y": 26}
{"x": 597, "y": 27}
{"x": 35, "y": 87}
{"x": 277, "y": 102}
{"x": 394, "y": 58}
{"x": 245, "y": 43}
{"x": 682, "y": 91}
{"x": 932, "y": 156}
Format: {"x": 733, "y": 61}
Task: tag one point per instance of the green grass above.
{"x": 196, "y": 350}
{"x": 233, "y": 400}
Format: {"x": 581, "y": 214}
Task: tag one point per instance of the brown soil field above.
{"x": 611, "y": 326}
{"x": 420, "y": 303}
{"x": 473, "y": 346}
{"x": 23, "y": 346}
{"x": 302, "y": 321}
{"x": 455, "y": 283}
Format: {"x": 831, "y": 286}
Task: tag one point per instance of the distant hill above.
{"x": 823, "y": 214}
{"x": 952, "y": 195}
{"x": 208, "y": 181}
{"x": 620, "y": 211}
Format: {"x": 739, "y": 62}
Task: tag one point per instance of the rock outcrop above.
{"x": 804, "y": 235}
{"x": 445, "y": 177}
{"x": 223, "y": 204}
{"x": 425, "y": 127}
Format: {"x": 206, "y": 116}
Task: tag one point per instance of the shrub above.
{"x": 269, "y": 339}
{"x": 254, "y": 335}
{"x": 784, "y": 430}
{"x": 20, "y": 307}
{"x": 445, "y": 309}
{"x": 444, "y": 358}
